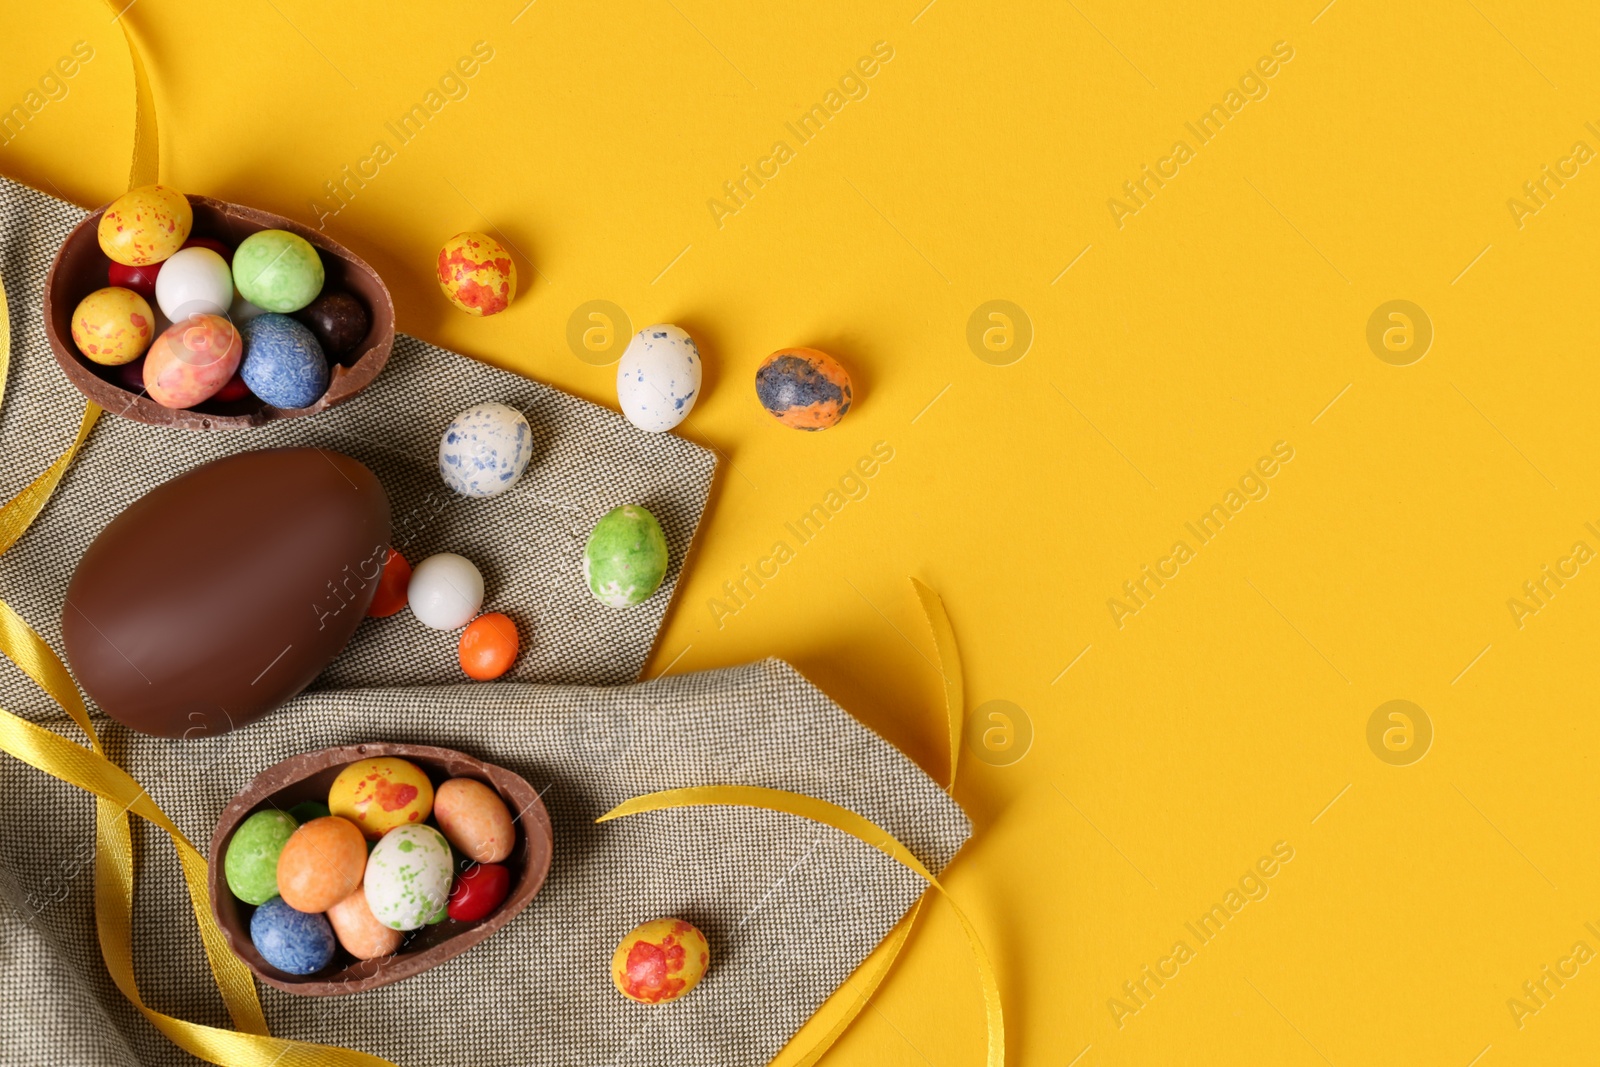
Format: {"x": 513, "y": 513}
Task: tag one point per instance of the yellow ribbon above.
{"x": 824, "y": 1028}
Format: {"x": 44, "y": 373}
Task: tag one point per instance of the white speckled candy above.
{"x": 408, "y": 876}
{"x": 658, "y": 378}
{"x": 485, "y": 450}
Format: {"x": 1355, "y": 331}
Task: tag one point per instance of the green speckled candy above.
{"x": 408, "y": 876}
{"x": 625, "y": 558}
{"x": 251, "y": 864}
{"x": 307, "y": 810}
{"x": 277, "y": 270}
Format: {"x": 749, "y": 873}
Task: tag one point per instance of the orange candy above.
{"x": 392, "y": 586}
{"x": 321, "y": 864}
{"x": 660, "y": 961}
{"x": 488, "y": 646}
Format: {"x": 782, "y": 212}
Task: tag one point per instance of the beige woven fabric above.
{"x": 790, "y": 907}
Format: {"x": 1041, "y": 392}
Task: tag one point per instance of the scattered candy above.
{"x": 485, "y": 449}
{"x": 379, "y": 794}
{"x": 488, "y": 647}
{"x": 321, "y": 864}
{"x": 195, "y": 281}
{"x": 277, "y": 270}
{"x": 475, "y": 820}
{"x": 145, "y": 225}
{"x": 141, "y": 280}
{"x": 283, "y": 363}
{"x": 113, "y": 326}
{"x": 408, "y": 876}
{"x": 478, "y": 892}
{"x": 359, "y": 931}
{"x": 477, "y": 274}
{"x": 251, "y": 862}
{"x": 307, "y": 810}
{"x": 339, "y": 320}
{"x": 393, "y": 584}
{"x": 658, "y": 377}
{"x": 191, "y": 360}
{"x": 446, "y": 591}
{"x": 803, "y": 388}
{"x": 625, "y": 558}
{"x": 660, "y": 961}
{"x": 290, "y": 940}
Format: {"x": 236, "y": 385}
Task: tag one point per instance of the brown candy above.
{"x": 339, "y": 320}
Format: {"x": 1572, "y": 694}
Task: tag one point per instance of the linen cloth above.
{"x": 790, "y": 907}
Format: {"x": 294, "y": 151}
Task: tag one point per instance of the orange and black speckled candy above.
{"x": 803, "y": 388}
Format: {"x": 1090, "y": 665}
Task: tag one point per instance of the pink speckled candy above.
{"x": 112, "y": 326}
{"x": 145, "y": 225}
{"x": 191, "y": 361}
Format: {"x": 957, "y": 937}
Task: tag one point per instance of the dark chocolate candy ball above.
{"x": 339, "y": 320}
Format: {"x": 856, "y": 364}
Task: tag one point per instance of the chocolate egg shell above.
{"x": 309, "y": 776}
{"x": 222, "y": 593}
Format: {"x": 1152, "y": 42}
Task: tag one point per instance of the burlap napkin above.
{"x": 790, "y": 907}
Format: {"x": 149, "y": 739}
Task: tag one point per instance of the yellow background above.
{"x": 1223, "y": 317}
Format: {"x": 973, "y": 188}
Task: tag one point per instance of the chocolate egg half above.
{"x": 222, "y": 593}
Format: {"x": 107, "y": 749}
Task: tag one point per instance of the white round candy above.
{"x": 408, "y": 876}
{"x": 485, "y": 449}
{"x": 194, "y": 281}
{"x": 446, "y": 591}
{"x": 658, "y": 378}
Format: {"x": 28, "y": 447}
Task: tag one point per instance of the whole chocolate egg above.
{"x": 222, "y": 593}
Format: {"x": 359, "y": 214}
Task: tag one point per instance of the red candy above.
{"x": 234, "y": 390}
{"x": 393, "y": 584}
{"x": 478, "y": 892}
{"x": 141, "y": 280}
{"x": 212, "y": 243}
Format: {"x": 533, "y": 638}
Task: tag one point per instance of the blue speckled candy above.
{"x": 485, "y": 450}
{"x": 658, "y": 377}
{"x": 290, "y": 940}
{"x": 283, "y": 363}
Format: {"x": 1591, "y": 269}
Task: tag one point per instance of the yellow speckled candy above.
{"x": 380, "y": 794}
{"x": 660, "y": 961}
{"x": 145, "y": 225}
{"x": 476, "y": 273}
{"x": 113, "y": 326}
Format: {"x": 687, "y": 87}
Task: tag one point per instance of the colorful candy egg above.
{"x": 660, "y": 961}
{"x": 479, "y": 891}
{"x": 113, "y": 326}
{"x": 212, "y": 243}
{"x": 141, "y": 280}
{"x": 475, "y": 820}
{"x": 145, "y": 225}
{"x": 485, "y": 449}
{"x": 359, "y": 931}
{"x": 233, "y": 389}
{"x": 191, "y": 360}
{"x": 380, "y": 794}
{"x": 445, "y": 592}
{"x": 658, "y": 378}
{"x": 283, "y": 363}
{"x": 277, "y": 270}
{"x": 803, "y": 388}
{"x": 488, "y": 646}
{"x": 393, "y": 585}
{"x": 292, "y": 941}
{"x": 195, "y": 281}
{"x": 321, "y": 864}
{"x": 408, "y": 876}
{"x": 477, "y": 274}
{"x": 251, "y": 862}
{"x": 339, "y": 320}
{"x": 625, "y": 558}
